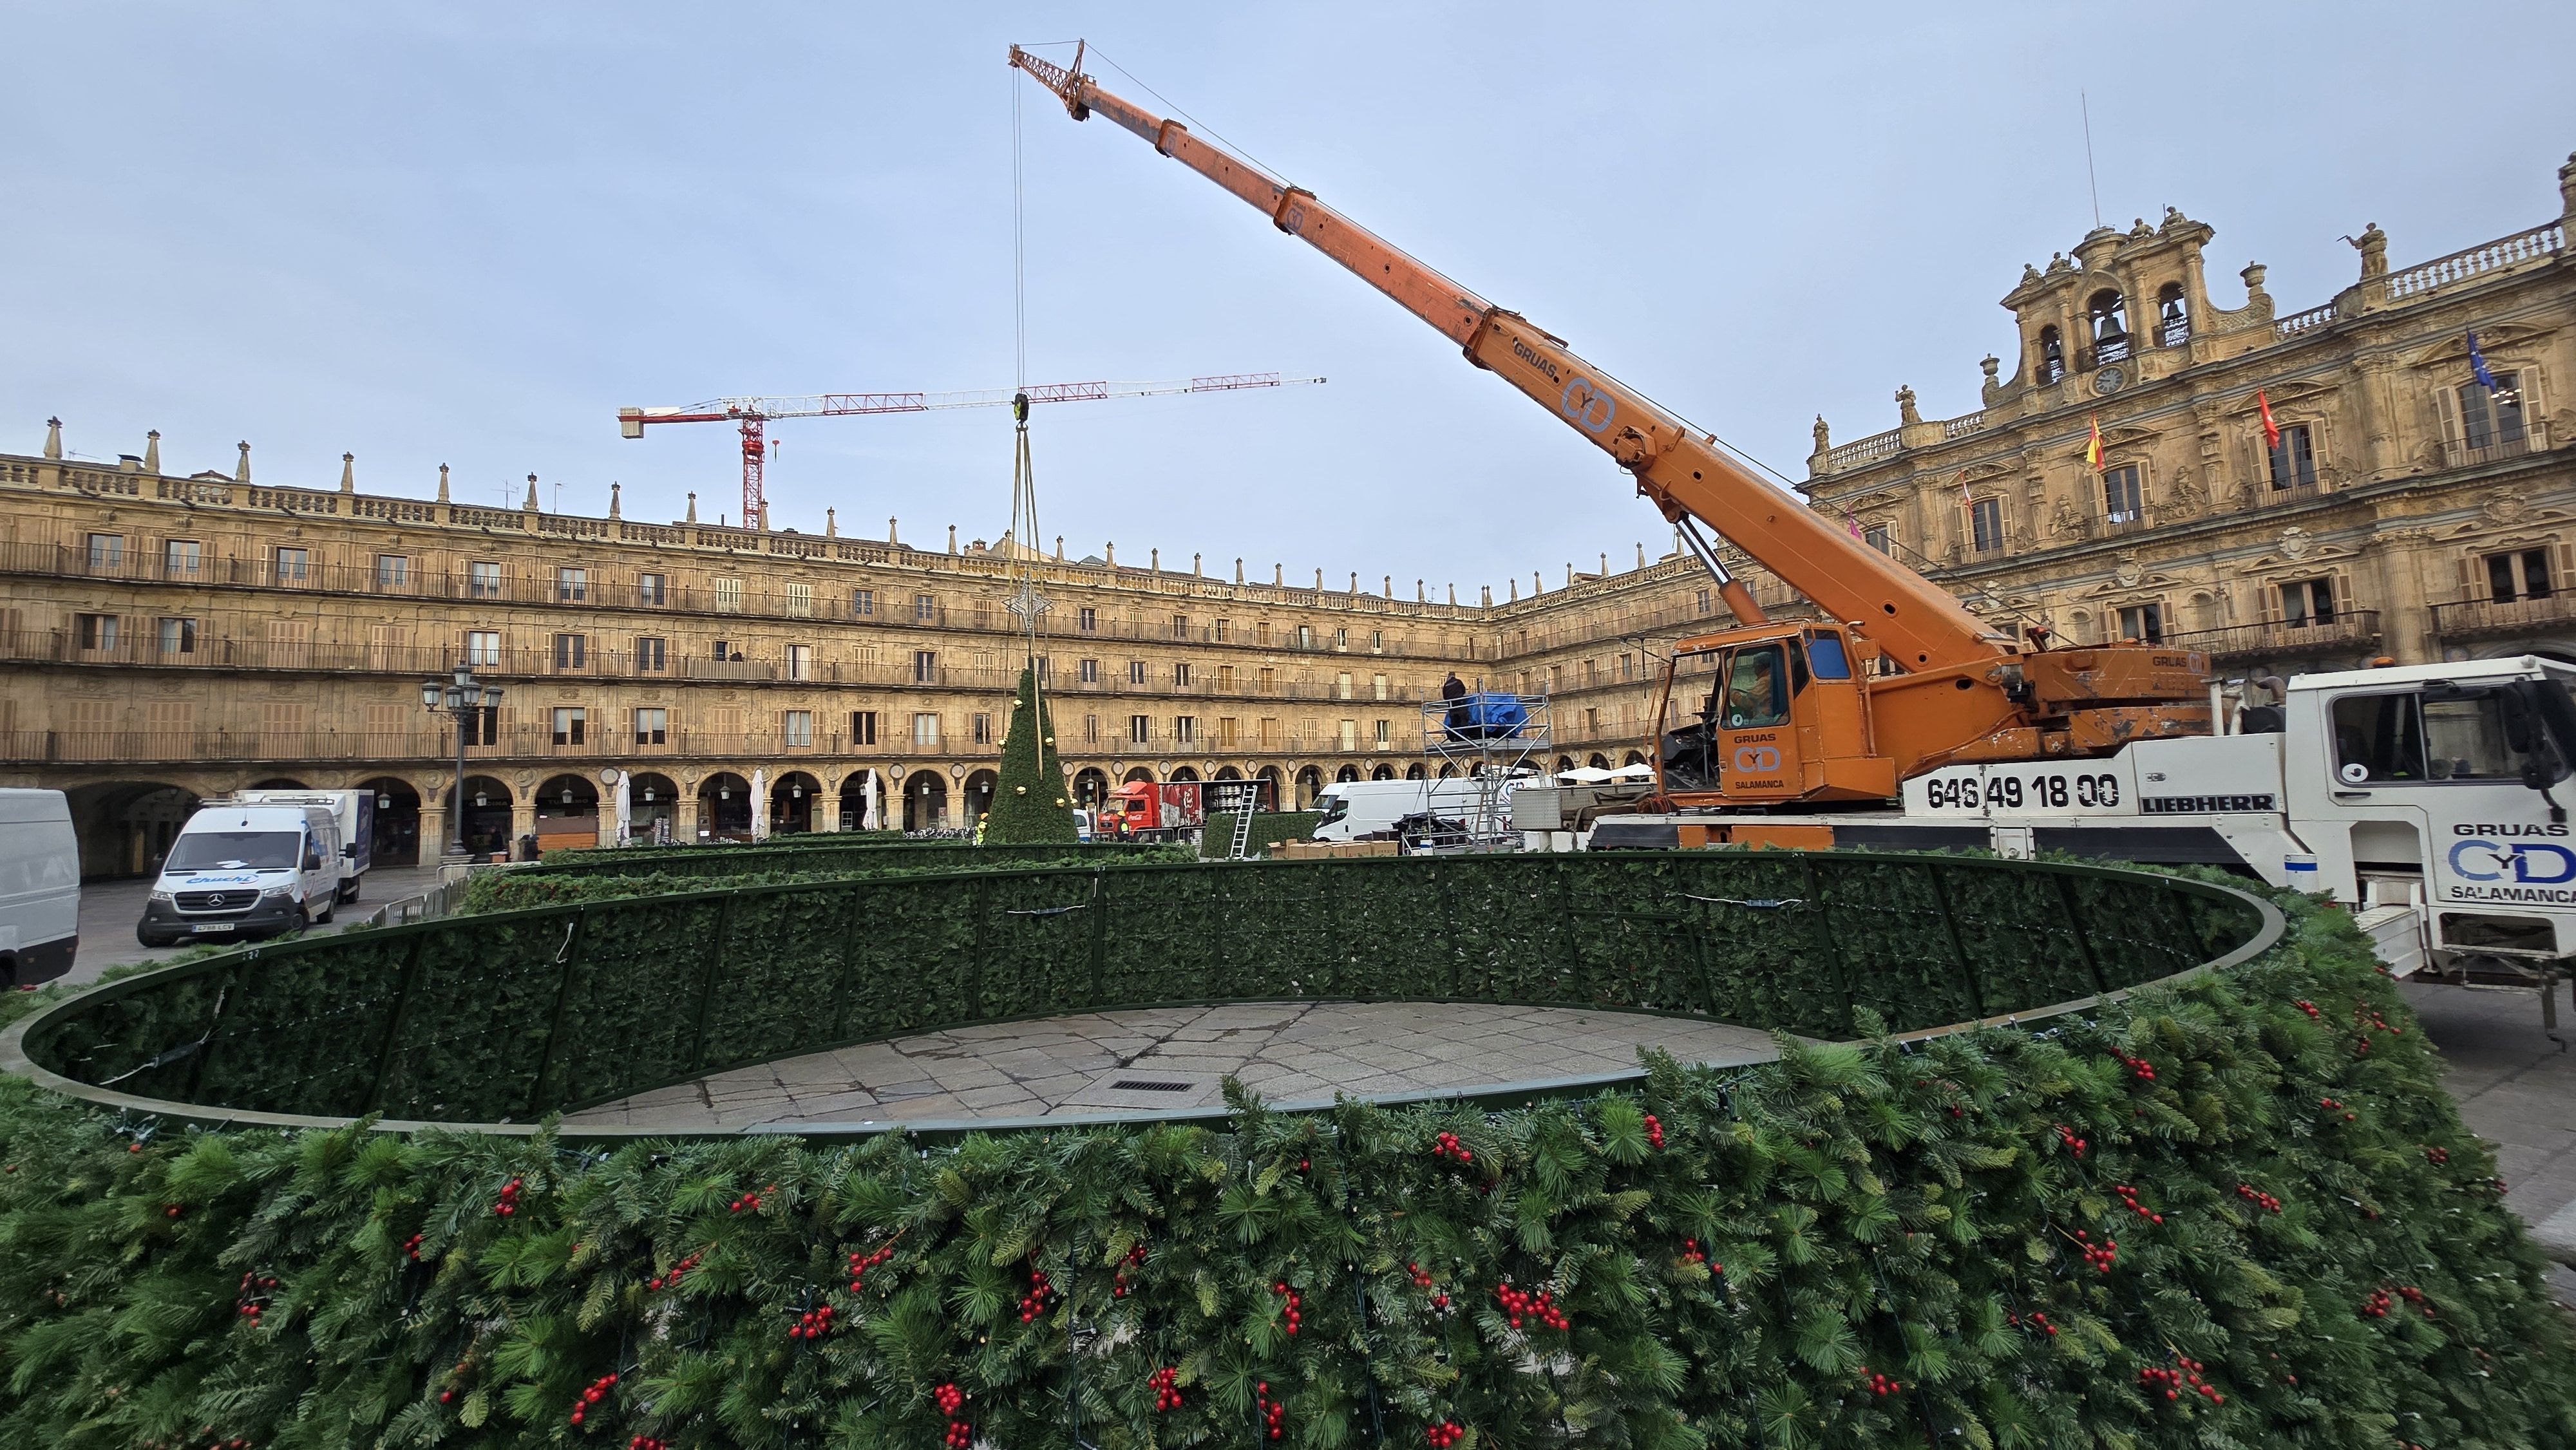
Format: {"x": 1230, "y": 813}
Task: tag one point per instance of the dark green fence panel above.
{"x": 482, "y": 1002}
{"x": 785, "y": 958}
{"x": 507, "y": 1016}
{"x": 629, "y": 1016}
{"x": 1888, "y": 928}
{"x": 2024, "y": 949}
{"x": 292, "y": 1032}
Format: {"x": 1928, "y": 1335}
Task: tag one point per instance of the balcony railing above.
{"x": 603, "y": 740}
{"x": 2459, "y": 454}
{"x": 2349, "y": 629}
{"x": 2470, "y": 618}
{"x": 139, "y": 560}
{"x": 2536, "y": 245}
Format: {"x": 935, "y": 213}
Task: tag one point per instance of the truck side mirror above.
{"x": 349, "y": 851}
{"x": 2526, "y": 731}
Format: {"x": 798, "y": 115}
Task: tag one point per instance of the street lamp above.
{"x": 458, "y": 699}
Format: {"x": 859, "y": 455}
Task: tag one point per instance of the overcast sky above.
{"x": 468, "y": 233}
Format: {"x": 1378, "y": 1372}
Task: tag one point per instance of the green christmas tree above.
{"x": 1030, "y": 807}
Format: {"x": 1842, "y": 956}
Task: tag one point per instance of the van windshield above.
{"x": 233, "y": 851}
{"x": 1335, "y": 807}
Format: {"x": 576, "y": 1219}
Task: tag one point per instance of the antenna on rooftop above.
{"x": 2085, "y": 104}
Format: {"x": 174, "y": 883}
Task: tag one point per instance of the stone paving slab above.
{"x": 1069, "y": 1066}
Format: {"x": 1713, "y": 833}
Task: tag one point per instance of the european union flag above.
{"x": 2478, "y": 366}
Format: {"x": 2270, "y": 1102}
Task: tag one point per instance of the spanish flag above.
{"x": 2093, "y": 445}
{"x": 2271, "y": 430}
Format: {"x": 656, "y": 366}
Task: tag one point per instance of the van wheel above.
{"x": 154, "y": 939}
{"x": 349, "y": 893}
{"x": 327, "y": 912}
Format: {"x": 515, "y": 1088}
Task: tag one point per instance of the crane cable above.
{"x": 1024, "y": 488}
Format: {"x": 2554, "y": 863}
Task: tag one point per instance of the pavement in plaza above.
{"x": 2515, "y": 1088}
{"x": 109, "y": 910}
{"x": 1163, "y": 1059}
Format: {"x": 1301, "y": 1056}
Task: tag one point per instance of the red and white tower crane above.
{"x": 751, "y": 414}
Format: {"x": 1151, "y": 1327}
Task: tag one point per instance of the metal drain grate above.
{"x": 1141, "y": 1085}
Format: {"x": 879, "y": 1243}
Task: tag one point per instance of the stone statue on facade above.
{"x": 1824, "y": 435}
{"x": 1906, "y": 413}
{"x": 2065, "y": 521}
{"x": 2373, "y": 246}
{"x": 2187, "y": 497}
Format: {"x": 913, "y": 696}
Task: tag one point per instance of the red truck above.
{"x": 1143, "y": 809}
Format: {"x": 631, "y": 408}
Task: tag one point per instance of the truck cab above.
{"x": 2447, "y": 785}
{"x": 244, "y": 872}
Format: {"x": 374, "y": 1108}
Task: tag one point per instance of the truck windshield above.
{"x": 233, "y": 851}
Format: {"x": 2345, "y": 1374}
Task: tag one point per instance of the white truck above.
{"x": 245, "y": 871}
{"x": 1356, "y": 808}
{"x": 356, "y": 810}
{"x": 2431, "y": 799}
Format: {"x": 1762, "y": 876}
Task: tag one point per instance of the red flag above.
{"x": 1964, "y": 491}
{"x": 1851, "y": 523}
{"x": 2093, "y": 445}
{"x": 2271, "y": 430}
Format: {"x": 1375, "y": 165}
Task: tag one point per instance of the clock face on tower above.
{"x": 2109, "y": 380}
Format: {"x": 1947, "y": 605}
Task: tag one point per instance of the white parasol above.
{"x": 625, "y": 807}
{"x": 759, "y": 805}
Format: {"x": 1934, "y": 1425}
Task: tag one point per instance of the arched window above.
{"x": 2173, "y": 316}
{"x": 2052, "y": 356}
{"x": 2110, "y": 326}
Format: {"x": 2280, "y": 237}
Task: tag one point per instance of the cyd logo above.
{"x": 2529, "y": 863}
{"x": 1589, "y": 408}
{"x": 1757, "y": 757}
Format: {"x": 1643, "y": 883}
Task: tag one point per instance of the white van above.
{"x": 245, "y": 871}
{"x": 39, "y": 887}
{"x": 1356, "y": 808}
{"x": 357, "y": 812}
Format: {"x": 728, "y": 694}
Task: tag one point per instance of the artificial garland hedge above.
{"x": 819, "y": 853}
{"x": 518, "y": 888}
{"x": 511, "y": 1015}
{"x": 2236, "y": 1211}
{"x": 815, "y": 839}
{"x": 1268, "y": 828}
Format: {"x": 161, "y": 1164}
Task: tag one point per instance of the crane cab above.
{"x": 1769, "y": 715}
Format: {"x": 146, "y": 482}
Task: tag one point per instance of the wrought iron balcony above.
{"x": 2348, "y": 630}
{"x": 2475, "y": 618}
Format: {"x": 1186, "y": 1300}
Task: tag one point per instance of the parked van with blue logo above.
{"x": 240, "y": 872}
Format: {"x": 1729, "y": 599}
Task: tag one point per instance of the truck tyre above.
{"x": 328, "y": 911}
{"x": 349, "y": 893}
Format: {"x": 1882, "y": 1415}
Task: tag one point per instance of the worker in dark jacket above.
{"x": 1453, "y": 692}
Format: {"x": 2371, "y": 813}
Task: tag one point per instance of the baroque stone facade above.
{"x": 2409, "y": 511}
{"x": 167, "y": 638}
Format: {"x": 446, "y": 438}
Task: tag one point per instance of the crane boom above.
{"x": 837, "y": 405}
{"x": 752, "y": 414}
{"x": 1680, "y": 471}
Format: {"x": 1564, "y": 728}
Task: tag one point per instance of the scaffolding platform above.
{"x": 1492, "y": 735}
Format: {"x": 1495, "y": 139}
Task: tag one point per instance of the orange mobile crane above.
{"x": 1800, "y": 715}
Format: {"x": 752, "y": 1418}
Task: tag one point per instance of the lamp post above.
{"x": 458, "y": 699}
